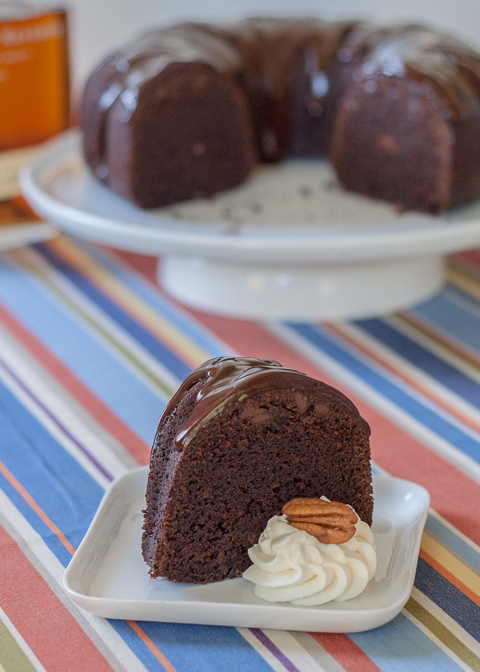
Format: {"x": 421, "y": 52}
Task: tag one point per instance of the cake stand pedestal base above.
{"x": 339, "y": 291}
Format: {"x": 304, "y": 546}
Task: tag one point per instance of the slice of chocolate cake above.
{"x": 239, "y": 439}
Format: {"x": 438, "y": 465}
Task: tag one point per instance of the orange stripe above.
{"x": 450, "y": 577}
{"x": 40, "y": 513}
{"x": 405, "y": 376}
{"x": 148, "y": 642}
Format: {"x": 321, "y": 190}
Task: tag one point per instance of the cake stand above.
{"x": 289, "y": 244}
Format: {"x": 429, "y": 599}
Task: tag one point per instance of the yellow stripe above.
{"x": 187, "y": 349}
{"x": 452, "y": 562}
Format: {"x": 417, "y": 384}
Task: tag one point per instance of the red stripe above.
{"x": 454, "y": 495}
{"x": 346, "y": 653}
{"x": 109, "y": 421}
{"x": 45, "y": 624}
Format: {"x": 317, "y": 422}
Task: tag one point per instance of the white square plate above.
{"x": 108, "y": 576}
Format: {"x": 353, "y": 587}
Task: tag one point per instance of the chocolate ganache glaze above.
{"x": 227, "y": 377}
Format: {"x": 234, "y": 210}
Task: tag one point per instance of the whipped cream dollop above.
{"x": 290, "y": 565}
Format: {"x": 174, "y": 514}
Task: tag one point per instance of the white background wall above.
{"x": 98, "y": 26}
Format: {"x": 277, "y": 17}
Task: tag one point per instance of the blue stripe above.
{"x": 57, "y": 483}
{"x": 82, "y": 352}
{"x": 139, "y": 648}
{"x": 204, "y": 648}
{"x": 441, "y": 371}
{"x": 449, "y": 598}
{"x": 385, "y": 385}
{"x": 51, "y": 540}
{"x": 141, "y": 335}
{"x": 400, "y": 645}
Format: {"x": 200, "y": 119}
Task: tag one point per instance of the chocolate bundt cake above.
{"x": 239, "y": 439}
{"x": 188, "y": 111}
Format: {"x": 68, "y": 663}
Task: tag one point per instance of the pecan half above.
{"x": 329, "y": 522}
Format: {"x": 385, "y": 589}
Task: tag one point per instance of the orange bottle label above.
{"x": 34, "y": 88}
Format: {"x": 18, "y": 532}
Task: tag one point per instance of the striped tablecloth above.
{"x": 91, "y": 350}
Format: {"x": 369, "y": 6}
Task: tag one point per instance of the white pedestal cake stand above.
{"x": 289, "y": 244}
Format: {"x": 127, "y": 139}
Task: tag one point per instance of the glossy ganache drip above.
{"x": 226, "y": 377}
{"x": 451, "y": 67}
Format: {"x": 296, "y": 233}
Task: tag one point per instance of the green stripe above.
{"x": 12, "y": 657}
{"x": 54, "y": 289}
{"x": 443, "y": 634}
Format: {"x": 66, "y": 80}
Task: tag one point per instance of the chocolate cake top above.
{"x": 229, "y": 377}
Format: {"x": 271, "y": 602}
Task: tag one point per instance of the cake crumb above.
{"x": 305, "y": 191}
